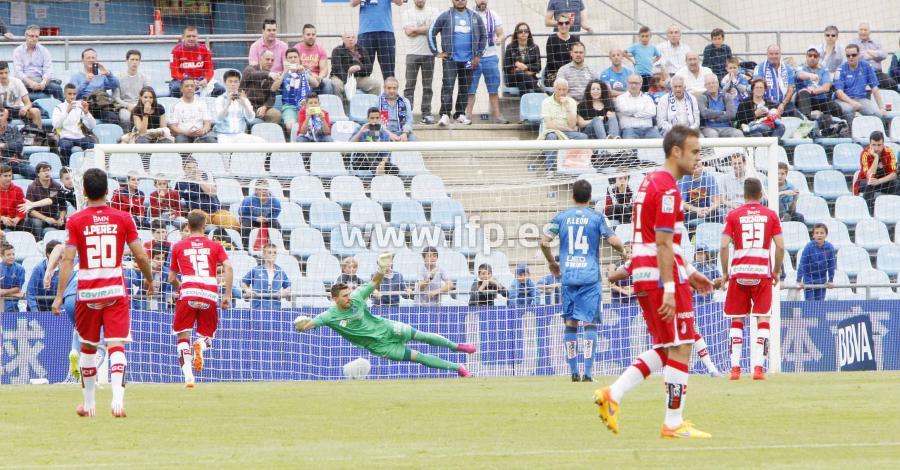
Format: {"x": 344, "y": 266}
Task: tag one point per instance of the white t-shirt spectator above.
{"x": 418, "y": 45}
{"x": 186, "y": 116}
{"x": 672, "y": 58}
{"x": 490, "y": 48}
{"x": 11, "y": 94}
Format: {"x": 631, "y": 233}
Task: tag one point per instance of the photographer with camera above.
{"x": 378, "y": 163}
{"x": 234, "y": 112}
{"x": 315, "y": 125}
{"x": 296, "y": 83}
{"x": 93, "y": 83}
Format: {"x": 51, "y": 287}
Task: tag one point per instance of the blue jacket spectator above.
{"x": 444, "y": 25}
{"x": 390, "y": 290}
{"x": 818, "y": 262}
{"x": 266, "y": 284}
{"x": 522, "y": 291}
{"x": 12, "y": 279}
{"x": 855, "y": 78}
{"x": 38, "y": 298}
{"x": 549, "y": 285}
{"x": 260, "y": 207}
{"x": 463, "y": 40}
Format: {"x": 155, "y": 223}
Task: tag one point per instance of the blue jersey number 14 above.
{"x": 578, "y": 241}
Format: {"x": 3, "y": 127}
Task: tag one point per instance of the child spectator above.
{"x": 621, "y": 291}
{"x": 267, "y": 283}
{"x": 165, "y": 204}
{"x": 522, "y": 291}
{"x": 433, "y": 281}
{"x": 66, "y": 197}
{"x": 296, "y": 84}
{"x": 764, "y": 125}
{"x": 11, "y": 199}
{"x": 12, "y": 278}
{"x": 735, "y": 84}
{"x": 549, "y": 285}
{"x": 618, "y": 201}
{"x": 160, "y": 232}
{"x": 787, "y": 196}
{"x": 716, "y": 54}
{"x": 705, "y": 262}
{"x": 38, "y": 298}
{"x": 485, "y": 289}
{"x": 390, "y": 290}
{"x": 817, "y": 264}
{"x": 371, "y": 131}
{"x": 315, "y": 124}
{"x": 348, "y": 274}
{"x": 659, "y": 86}
{"x": 130, "y": 199}
{"x": 68, "y": 119}
{"x": 643, "y": 54}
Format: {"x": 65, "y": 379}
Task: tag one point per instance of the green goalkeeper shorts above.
{"x": 393, "y": 347}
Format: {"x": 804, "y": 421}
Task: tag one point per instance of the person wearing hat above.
{"x": 814, "y": 87}
{"x": 522, "y": 291}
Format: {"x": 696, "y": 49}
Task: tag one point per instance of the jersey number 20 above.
{"x": 101, "y": 251}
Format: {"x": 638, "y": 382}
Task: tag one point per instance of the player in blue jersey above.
{"x": 68, "y": 304}
{"x": 579, "y": 230}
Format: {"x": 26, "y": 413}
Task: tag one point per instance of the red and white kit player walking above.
{"x": 752, "y": 228}
{"x": 196, "y": 259}
{"x": 98, "y": 234}
{"x": 661, "y": 281}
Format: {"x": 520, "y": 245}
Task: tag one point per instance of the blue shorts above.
{"x": 490, "y": 67}
{"x": 582, "y": 303}
{"x": 69, "y": 307}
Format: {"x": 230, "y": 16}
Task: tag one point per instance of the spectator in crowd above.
{"x": 550, "y": 287}
{"x": 95, "y": 88}
{"x": 522, "y": 61}
{"x": 40, "y": 299}
{"x": 149, "y": 118}
{"x": 705, "y": 263}
{"x": 485, "y": 289}
{"x": 417, "y": 21}
{"x": 677, "y": 107}
{"x": 433, "y": 281}
{"x": 702, "y": 200}
{"x": 850, "y": 87}
{"x": 832, "y": 51}
{"x": 49, "y": 217}
{"x": 191, "y": 58}
{"x": 234, "y": 112}
{"x": 66, "y": 196}
{"x": 266, "y": 284}
{"x": 489, "y": 65}
{"x": 314, "y": 58}
{"x": 693, "y": 74}
{"x": 522, "y": 291}
{"x": 735, "y": 84}
{"x": 659, "y": 86}
{"x": 643, "y": 54}
{"x": 618, "y": 201}
{"x": 5, "y": 32}
{"x": 780, "y": 80}
{"x": 376, "y": 32}
{"x": 577, "y": 73}
{"x": 463, "y": 39}
{"x": 11, "y": 145}
{"x": 258, "y": 83}
{"x": 14, "y": 97}
{"x": 559, "y": 48}
{"x": 12, "y": 278}
{"x": 597, "y": 113}
{"x": 814, "y": 87}
{"x": 198, "y": 191}
{"x": 315, "y": 124}
{"x": 128, "y": 198}
{"x": 787, "y": 196}
{"x": 190, "y": 119}
{"x": 878, "y": 170}
{"x": 391, "y": 289}
{"x": 574, "y": 9}
{"x": 373, "y": 130}
{"x": 757, "y": 116}
{"x": 33, "y": 65}
{"x": 269, "y": 42}
{"x": 673, "y": 51}
{"x": 296, "y": 84}
{"x": 872, "y": 52}
{"x": 396, "y": 112}
{"x": 817, "y": 264}
{"x": 259, "y": 210}
{"x": 635, "y": 112}
{"x": 717, "y": 111}
{"x": 159, "y": 232}
{"x": 348, "y": 276}
{"x": 716, "y": 54}
{"x": 733, "y": 183}
{"x": 130, "y": 86}
{"x": 68, "y": 119}
{"x": 616, "y": 76}
{"x": 378, "y": 163}
{"x": 622, "y": 291}
{"x": 350, "y": 59}
{"x": 560, "y": 116}
{"x": 165, "y": 205}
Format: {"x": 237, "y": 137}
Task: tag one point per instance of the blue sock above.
{"x": 590, "y": 345}
{"x": 571, "y": 340}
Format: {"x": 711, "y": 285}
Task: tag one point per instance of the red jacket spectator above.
{"x": 10, "y": 200}
{"x": 195, "y": 62}
{"x": 132, "y": 202}
{"x": 168, "y": 203}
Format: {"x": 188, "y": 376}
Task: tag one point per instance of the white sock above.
{"x": 117, "y": 364}
{"x": 761, "y": 346}
{"x": 186, "y": 358}
{"x": 736, "y": 334}
{"x": 703, "y": 353}
{"x": 634, "y": 375}
{"x": 676, "y": 375}
{"x": 205, "y": 342}
{"x": 88, "y": 364}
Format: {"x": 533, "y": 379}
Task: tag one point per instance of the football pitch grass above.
{"x": 791, "y": 420}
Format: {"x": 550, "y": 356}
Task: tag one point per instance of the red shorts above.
{"x": 673, "y": 332}
{"x": 743, "y": 299}
{"x": 113, "y": 316}
{"x": 201, "y": 312}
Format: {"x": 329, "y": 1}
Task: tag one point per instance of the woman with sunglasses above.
{"x": 522, "y": 61}
{"x": 558, "y": 49}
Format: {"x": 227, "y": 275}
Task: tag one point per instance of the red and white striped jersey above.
{"x": 657, "y": 207}
{"x": 99, "y": 235}
{"x": 751, "y": 228}
{"x": 196, "y": 259}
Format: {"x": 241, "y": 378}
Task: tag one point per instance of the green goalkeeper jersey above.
{"x": 357, "y": 324}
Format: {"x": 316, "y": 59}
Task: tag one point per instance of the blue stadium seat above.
{"x": 334, "y": 106}
{"x": 429, "y": 235}
{"x": 160, "y": 86}
{"x": 324, "y": 215}
{"x": 791, "y": 124}
{"x": 250, "y": 164}
{"x": 891, "y": 96}
{"x": 796, "y": 236}
{"x": 120, "y": 164}
{"x": 895, "y": 129}
{"x": 761, "y": 157}
{"x": 387, "y": 189}
{"x": 168, "y": 164}
{"x": 286, "y": 164}
{"x": 61, "y": 236}
{"x": 497, "y": 260}
{"x": 367, "y": 264}
{"x": 874, "y": 277}
{"x": 366, "y": 213}
{"x": 409, "y": 163}
{"x": 306, "y": 190}
{"x": 323, "y": 267}
{"x": 468, "y": 239}
{"x": 49, "y": 157}
{"x": 407, "y": 214}
{"x": 291, "y": 216}
{"x": 454, "y": 264}
{"x": 107, "y": 133}
{"x": 864, "y": 126}
{"x": 275, "y": 238}
{"x": 447, "y": 213}
{"x": 830, "y": 184}
{"x": 305, "y": 241}
{"x": 810, "y": 158}
{"x": 167, "y": 102}
{"x": 853, "y": 259}
{"x": 24, "y": 243}
{"x": 813, "y": 208}
{"x": 872, "y": 234}
{"x": 272, "y": 133}
{"x": 851, "y": 209}
{"x": 408, "y": 264}
{"x": 838, "y": 293}
{"x": 25, "y": 183}
{"x": 327, "y": 164}
{"x": 345, "y": 190}
{"x": 427, "y": 188}
{"x": 846, "y": 157}
{"x": 229, "y": 191}
{"x": 887, "y": 209}
{"x": 359, "y": 106}
{"x": 343, "y": 131}
{"x": 530, "y": 107}
{"x": 213, "y": 163}
{"x": 307, "y": 288}
{"x": 709, "y": 234}
{"x": 387, "y": 239}
{"x": 347, "y": 240}
{"x": 838, "y": 234}
{"x": 47, "y": 105}
{"x": 888, "y": 259}
{"x": 242, "y": 263}
{"x": 799, "y": 181}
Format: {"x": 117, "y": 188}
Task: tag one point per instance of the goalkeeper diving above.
{"x": 350, "y": 317}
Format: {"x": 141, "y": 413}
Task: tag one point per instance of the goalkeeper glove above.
{"x": 300, "y": 322}
{"x": 385, "y": 260}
